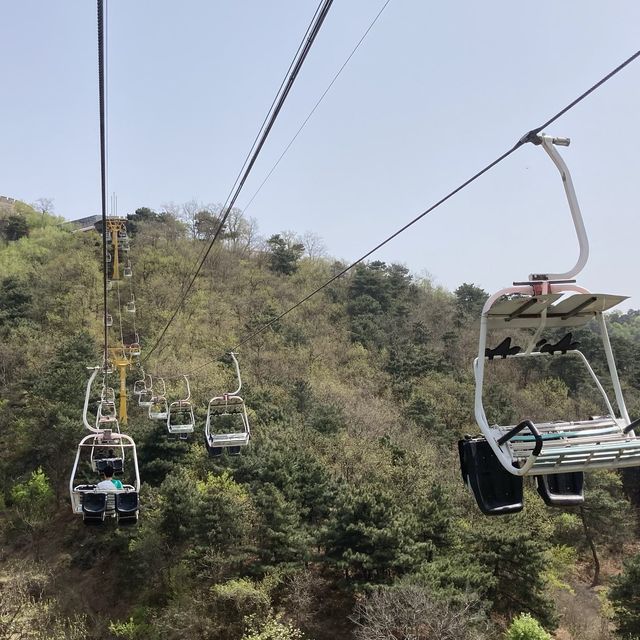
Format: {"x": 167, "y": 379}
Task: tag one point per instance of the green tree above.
{"x": 284, "y": 255}
{"x": 16, "y": 227}
{"x": 15, "y": 300}
{"x": 524, "y": 627}
{"x": 625, "y": 598}
{"x": 470, "y": 299}
{"x": 33, "y": 503}
{"x": 370, "y": 538}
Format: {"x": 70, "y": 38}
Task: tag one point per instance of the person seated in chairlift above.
{"x": 108, "y": 483}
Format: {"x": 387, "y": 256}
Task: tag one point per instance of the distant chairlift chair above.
{"x": 180, "y": 418}
{"x": 159, "y": 408}
{"x": 227, "y": 425}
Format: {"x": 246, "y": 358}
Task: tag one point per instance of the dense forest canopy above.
{"x": 346, "y": 515}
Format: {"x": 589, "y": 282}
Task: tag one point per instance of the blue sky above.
{"x": 436, "y": 91}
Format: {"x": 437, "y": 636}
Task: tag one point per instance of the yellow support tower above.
{"x": 115, "y": 226}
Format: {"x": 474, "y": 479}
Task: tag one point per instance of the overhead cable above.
{"x": 528, "y": 137}
{"x": 103, "y": 172}
{"x": 315, "y": 106}
{"x": 295, "y": 67}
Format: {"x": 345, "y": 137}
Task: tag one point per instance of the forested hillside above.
{"x": 346, "y": 516}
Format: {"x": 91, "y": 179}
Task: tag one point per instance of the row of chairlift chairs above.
{"x": 227, "y": 423}
{"x": 105, "y": 446}
{"x": 558, "y": 450}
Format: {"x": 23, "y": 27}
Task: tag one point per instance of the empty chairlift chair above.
{"x": 180, "y": 418}
{"x": 159, "y": 408}
{"x": 559, "y": 449}
{"x": 146, "y": 394}
{"x": 140, "y": 385}
{"x": 227, "y": 424}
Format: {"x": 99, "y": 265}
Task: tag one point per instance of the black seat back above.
{"x": 561, "y": 489}
{"x": 94, "y": 507}
{"x": 127, "y": 507}
{"x": 496, "y": 491}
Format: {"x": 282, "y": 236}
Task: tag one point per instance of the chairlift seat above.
{"x": 94, "y": 508}
{"x": 180, "y": 418}
{"x": 116, "y": 463}
{"x": 126, "y": 507}
{"x": 496, "y": 491}
{"x": 158, "y": 410}
{"x": 562, "y": 489}
{"x": 239, "y": 439}
{"x": 574, "y": 446}
{"x": 145, "y": 398}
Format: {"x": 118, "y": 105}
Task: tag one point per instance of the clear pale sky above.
{"x": 435, "y": 92}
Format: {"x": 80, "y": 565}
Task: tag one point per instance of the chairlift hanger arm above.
{"x": 549, "y": 144}
{"x": 237, "y": 366}
{"x": 86, "y": 401}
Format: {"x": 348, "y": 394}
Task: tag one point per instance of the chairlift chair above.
{"x": 106, "y": 409}
{"x": 159, "y": 408}
{"x": 127, "y": 271}
{"x": 145, "y": 397}
{"x": 131, "y": 305}
{"x": 559, "y": 450}
{"x": 139, "y": 386}
{"x": 97, "y": 506}
{"x": 227, "y": 424}
{"x": 108, "y": 394}
{"x": 109, "y": 320}
{"x": 134, "y": 349}
{"x": 180, "y": 418}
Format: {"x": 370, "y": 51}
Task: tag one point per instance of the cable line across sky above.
{"x": 528, "y": 137}
{"x": 293, "y": 71}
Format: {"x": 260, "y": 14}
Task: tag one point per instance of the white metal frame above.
{"x": 90, "y": 443}
{"x": 225, "y": 405}
{"x": 106, "y": 434}
{"x": 145, "y": 396}
{"x": 566, "y": 446}
{"x": 159, "y": 407}
{"x": 179, "y": 408}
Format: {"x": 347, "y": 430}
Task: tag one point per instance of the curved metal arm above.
{"x": 188, "y": 390}
{"x": 235, "y": 362}
{"x": 150, "y": 387}
{"x": 86, "y": 401}
{"x": 517, "y": 429}
{"x": 548, "y": 143}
